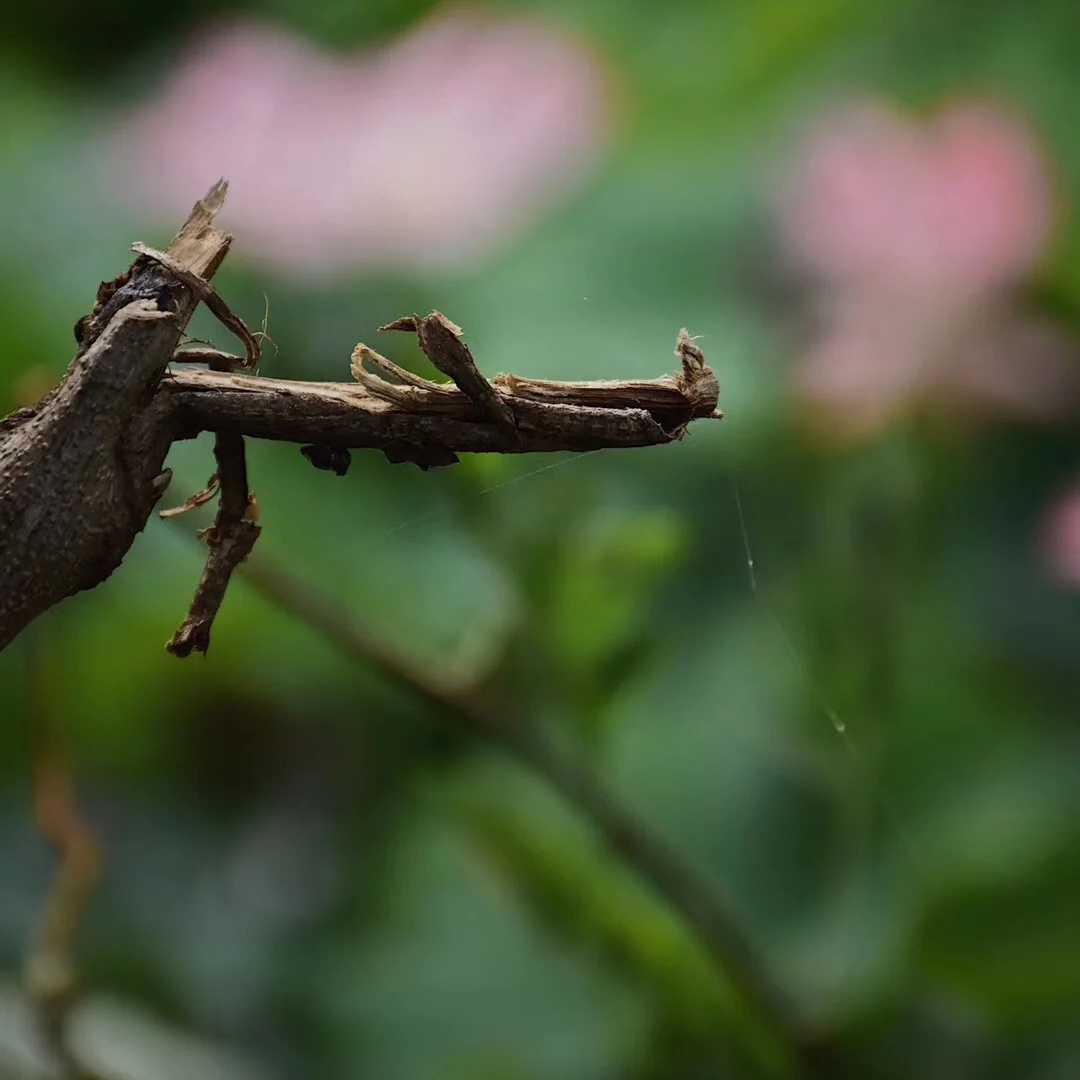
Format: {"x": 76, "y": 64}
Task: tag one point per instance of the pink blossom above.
{"x": 1062, "y": 538}
{"x": 434, "y": 150}
{"x": 916, "y": 236}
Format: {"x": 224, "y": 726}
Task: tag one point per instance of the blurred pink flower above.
{"x": 433, "y": 150}
{"x": 916, "y": 235}
{"x": 1062, "y": 539}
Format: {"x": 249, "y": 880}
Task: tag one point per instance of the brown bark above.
{"x": 81, "y": 471}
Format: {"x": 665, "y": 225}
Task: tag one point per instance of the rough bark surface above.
{"x": 80, "y": 472}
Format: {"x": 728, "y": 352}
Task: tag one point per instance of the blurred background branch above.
{"x": 621, "y": 830}
{"x": 51, "y": 977}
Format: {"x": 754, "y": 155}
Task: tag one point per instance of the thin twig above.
{"x": 698, "y": 904}
{"x": 413, "y": 419}
{"x": 200, "y": 498}
{"x": 230, "y": 540}
{"x": 50, "y": 973}
{"x": 441, "y": 342}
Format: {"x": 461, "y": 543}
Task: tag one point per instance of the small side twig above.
{"x": 230, "y": 540}
{"x": 211, "y": 298}
{"x": 441, "y": 342}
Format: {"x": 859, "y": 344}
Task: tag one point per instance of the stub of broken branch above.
{"x": 230, "y": 540}
{"x": 442, "y": 343}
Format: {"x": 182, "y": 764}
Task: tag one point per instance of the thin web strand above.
{"x": 799, "y": 665}
{"x": 427, "y": 515}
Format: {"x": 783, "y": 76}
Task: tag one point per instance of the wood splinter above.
{"x": 212, "y": 299}
{"x": 441, "y": 342}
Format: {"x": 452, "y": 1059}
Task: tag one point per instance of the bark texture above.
{"x": 81, "y": 471}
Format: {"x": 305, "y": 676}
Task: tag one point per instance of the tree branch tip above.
{"x": 374, "y": 382}
{"x": 160, "y": 483}
{"x": 360, "y": 354}
{"x": 687, "y": 351}
{"x": 406, "y": 324}
{"x": 229, "y": 540}
{"x": 378, "y": 381}
{"x": 443, "y": 321}
{"x": 413, "y": 323}
{"x": 201, "y": 218}
{"x": 697, "y": 380}
{"x": 189, "y": 639}
{"x": 441, "y": 342}
{"x": 214, "y": 199}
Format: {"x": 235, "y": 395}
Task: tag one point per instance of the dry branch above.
{"x": 80, "y": 472}
{"x": 701, "y": 905}
{"x": 411, "y": 422}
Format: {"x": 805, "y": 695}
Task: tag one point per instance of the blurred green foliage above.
{"x": 307, "y": 865}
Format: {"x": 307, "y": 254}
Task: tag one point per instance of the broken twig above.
{"x": 441, "y": 342}
{"x": 212, "y": 299}
{"x": 67, "y": 519}
{"x": 230, "y": 540}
